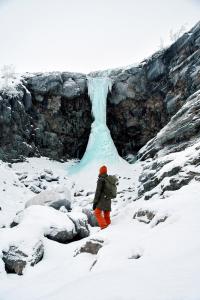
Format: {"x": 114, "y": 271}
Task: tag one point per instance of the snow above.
{"x": 35, "y": 222}
{"x": 167, "y": 269}
{"x": 9, "y": 81}
{"x": 14, "y": 194}
{"x": 137, "y": 260}
{"x": 50, "y": 196}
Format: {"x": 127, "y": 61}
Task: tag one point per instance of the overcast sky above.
{"x": 87, "y": 35}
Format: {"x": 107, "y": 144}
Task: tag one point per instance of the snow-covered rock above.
{"x": 172, "y": 157}
{"x": 51, "y": 223}
{"x": 56, "y": 198}
{"x": 81, "y": 224}
{"x": 17, "y": 257}
{"x": 147, "y": 215}
{"x": 181, "y": 131}
{"x": 92, "y": 246}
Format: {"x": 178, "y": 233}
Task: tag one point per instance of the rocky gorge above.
{"x": 49, "y": 114}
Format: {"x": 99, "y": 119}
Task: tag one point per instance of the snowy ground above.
{"x": 168, "y": 267}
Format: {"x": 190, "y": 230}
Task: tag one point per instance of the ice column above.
{"x": 100, "y": 148}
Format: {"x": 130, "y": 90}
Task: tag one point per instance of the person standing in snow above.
{"x": 105, "y": 191}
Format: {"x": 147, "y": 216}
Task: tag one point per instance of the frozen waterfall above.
{"x": 101, "y": 148}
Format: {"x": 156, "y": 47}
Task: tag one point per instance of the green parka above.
{"x": 101, "y": 201}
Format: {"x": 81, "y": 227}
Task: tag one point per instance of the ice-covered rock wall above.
{"x": 50, "y": 113}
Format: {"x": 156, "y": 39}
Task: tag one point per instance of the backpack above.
{"x": 110, "y": 186}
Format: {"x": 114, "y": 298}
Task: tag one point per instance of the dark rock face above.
{"x": 144, "y": 98}
{"x": 16, "y": 129}
{"x": 50, "y": 113}
{"x": 15, "y": 259}
{"x": 162, "y": 171}
{"x": 181, "y": 132}
{"x": 61, "y": 114}
{"x": 47, "y": 114}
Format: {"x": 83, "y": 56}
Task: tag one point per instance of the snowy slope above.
{"x": 168, "y": 266}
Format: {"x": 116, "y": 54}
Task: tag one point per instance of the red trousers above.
{"x": 103, "y": 217}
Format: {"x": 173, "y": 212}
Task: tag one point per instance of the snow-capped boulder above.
{"x": 59, "y": 226}
{"x": 18, "y": 256}
{"x": 49, "y": 222}
{"x": 81, "y": 224}
{"x": 55, "y": 198}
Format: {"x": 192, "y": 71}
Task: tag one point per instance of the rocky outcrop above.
{"x": 45, "y": 114}
{"x": 50, "y": 113}
{"x": 92, "y": 246}
{"x": 181, "y": 132}
{"x": 60, "y": 226}
{"x": 173, "y": 156}
{"x": 145, "y": 97}
{"x": 61, "y": 113}
{"x": 16, "y": 127}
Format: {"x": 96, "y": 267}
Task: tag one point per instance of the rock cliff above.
{"x": 145, "y": 97}
{"x": 50, "y": 113}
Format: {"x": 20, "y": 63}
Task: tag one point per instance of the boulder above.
{"x": 46, "y": 221}
{"x": 55, "y": 198}
{"x": 17, "y": 257}
{"x": 81, "y": 224}
{"x": 60, "y": 235}
{"x": 92, "y": 246}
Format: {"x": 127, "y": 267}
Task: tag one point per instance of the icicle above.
{"x": 98, "y": 88}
